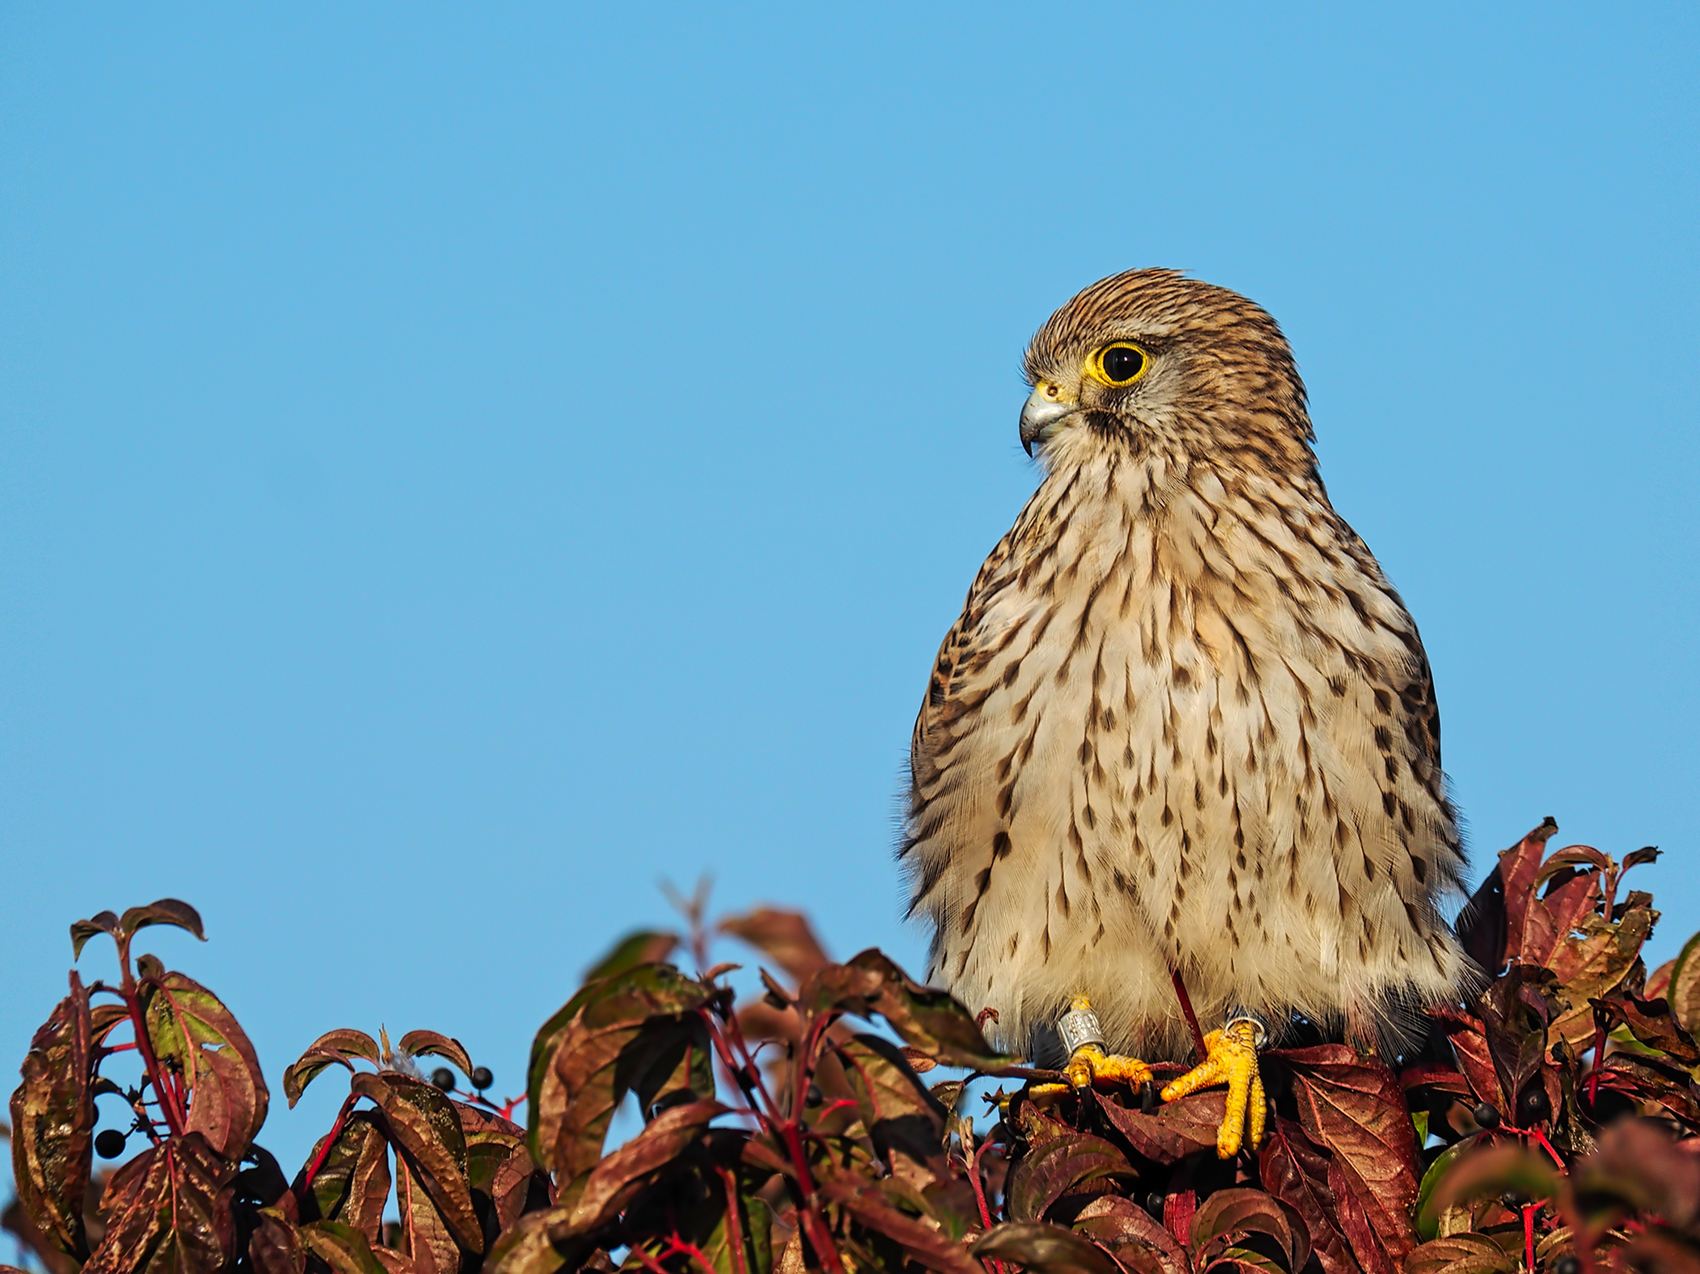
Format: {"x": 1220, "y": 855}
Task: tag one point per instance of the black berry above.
{"x": 815, "y": 1095}
{"x": 1533, "y": 1107}
{"x": 1485, "y": 1115}
{"x": 1567, "y": 1264}
{"x": 110, "y": 1144}
{"x": 482, "y": 1078}
{"x": 443, "y": 1078}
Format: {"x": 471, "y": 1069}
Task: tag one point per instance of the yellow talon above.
{"x": 1091, "y": 1064}
{"x": 1230, "y": 1056}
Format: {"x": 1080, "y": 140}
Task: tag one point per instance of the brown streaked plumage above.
{"x": 1184, "y": 720}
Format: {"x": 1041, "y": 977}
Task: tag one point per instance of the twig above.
{"x": 1186, "y": 1008}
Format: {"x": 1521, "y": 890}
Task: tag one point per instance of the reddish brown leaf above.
{"x": 924, "y": 1017}
{"x": 785, "y": 937}
{"x": 425, "y": 1238}
{"x": 594, "y": 1050}
{"x": 423, "y": 1126}
{"x": 341, "y": 1247}
{"x": 1049, "y": 1249}
{"x": 618, "y": 1177}
{"x": 1132, "y": 1236}
{"x": 896, "y": 1108}
{"x": 643, "y": 947}
{"x": 498, "y": 1164}
{"x": 1175, "y": 1129}
{"x": 1295, "y": 1170}
{"x": 422, "y": 1043}
{"x": 275, "y": 1247}
{"x": 333, "y": 1048}
{"x": 1461, "y": 1254}
{"x": 167, "y": 911}
{"x": 53, "y": 1124}
{"x": 102, "y": 922}
{"x": 1229, "y": 1213}
{"x": 1652, "y": 1023}
{"x": 1059, "y": 1167}
{"x": 1352, "y": 1106}
{"x": 1641, "y": 1164}
{"x": 353, "y": 1182}
{"x": 188, "y": 1026}
{"x": 924, "y": 1243}
{"x": 168, "y": 1210}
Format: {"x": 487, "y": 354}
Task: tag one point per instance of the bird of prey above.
{"x": 1183, "y": 737}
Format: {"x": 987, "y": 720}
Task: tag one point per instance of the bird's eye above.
{"x": 1119, "y": 364}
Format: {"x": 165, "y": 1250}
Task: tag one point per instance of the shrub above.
{"x": 1547, "y": 1124}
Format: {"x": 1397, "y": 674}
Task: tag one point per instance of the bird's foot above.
{"x": 1230, "y": 1057}
{"x": 1088, "y": 1063}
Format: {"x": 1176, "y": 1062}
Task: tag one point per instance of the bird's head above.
{"x": 1150, "y": 361}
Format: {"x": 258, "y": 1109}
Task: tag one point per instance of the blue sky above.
{"x": 458, "y": 468}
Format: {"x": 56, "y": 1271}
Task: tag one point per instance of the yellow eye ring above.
{"x": 1118, "y": 365}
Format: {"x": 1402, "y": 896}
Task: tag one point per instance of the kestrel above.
{"x": 1184, "y": 735}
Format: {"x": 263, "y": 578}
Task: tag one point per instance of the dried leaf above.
{"x": 1048, "y": 1249}
{"x": 190, "y": 1029}
{"x": 53, "y": 1124}
{"x": 785, "y": 937}
{"x": 423, "y": 1043}
{"x": 168, "y": 1210}
{"x": 1059, "y": 1167}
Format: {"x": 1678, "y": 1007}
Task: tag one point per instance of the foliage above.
{"x": 1549, "y": 1123}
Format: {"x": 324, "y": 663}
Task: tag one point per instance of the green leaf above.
{"x": 53, "y": 1124}
{"x": 1428, "y": 1211}
{"x": 1048, "y": 1249}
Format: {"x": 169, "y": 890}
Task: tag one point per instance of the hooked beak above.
{"x": 1042, "y": 413}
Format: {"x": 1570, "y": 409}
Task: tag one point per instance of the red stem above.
{"x": 1529, "y": 1235}
{"x": 1186, "y": 1008}
{"x": 169, "y": 1102}
{"x": 980, "y": 1195}
{"x": 330, "y": 1140}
